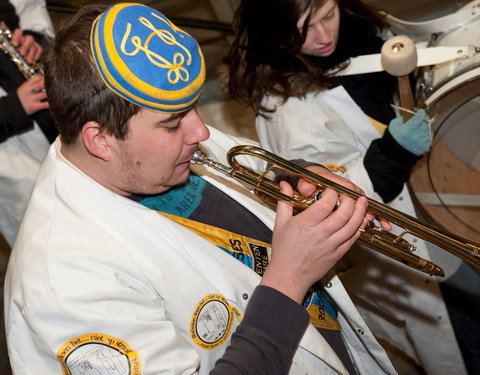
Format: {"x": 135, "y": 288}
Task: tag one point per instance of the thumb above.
{"x": 284, "y": 210}
{"x": 306, "y": 188}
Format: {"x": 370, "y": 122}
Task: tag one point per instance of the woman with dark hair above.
{"x": 303, "y": 49}
{"x": 276, "y": 64}
{"x": 287, "y": 63}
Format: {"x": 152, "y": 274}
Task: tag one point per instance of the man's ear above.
{"x": 95, "y": 140}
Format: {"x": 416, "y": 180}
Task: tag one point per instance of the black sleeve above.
{"x": 8, "y": 15}
{"x": 39, "y": 37}
{"x": 266, "y": 340}
{"x": 388, "y": 165}
{"x": 13, "y": 119}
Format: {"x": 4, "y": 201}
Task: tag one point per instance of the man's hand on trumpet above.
{"x": 307, "y": 245}
{"x": 308, "y": 189}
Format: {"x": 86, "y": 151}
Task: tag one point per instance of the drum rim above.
{"x": 446, "y": 104}
{"x": 436, "y": 94}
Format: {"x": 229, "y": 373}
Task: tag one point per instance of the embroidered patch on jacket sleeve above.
{"x": 97, "y": 353}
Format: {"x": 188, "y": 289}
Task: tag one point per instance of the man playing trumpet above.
{"x": 129, "y": 258}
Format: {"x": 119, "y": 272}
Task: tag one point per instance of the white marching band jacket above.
{"x": 93, "y": 271}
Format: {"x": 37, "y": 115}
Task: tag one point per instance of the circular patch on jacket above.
{"x": 96, "y": 353}
{"x": 211, "y": 321}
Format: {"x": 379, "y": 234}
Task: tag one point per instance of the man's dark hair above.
{"x": 76, "y": 91}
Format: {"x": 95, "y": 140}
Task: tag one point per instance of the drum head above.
{"x": 445, "y": 183}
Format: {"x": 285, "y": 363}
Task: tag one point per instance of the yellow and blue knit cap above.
{"x": 146, "y": 59}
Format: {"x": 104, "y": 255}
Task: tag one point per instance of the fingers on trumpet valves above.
{"x": 366, "y": 225}
{"x": 318, "y": 195}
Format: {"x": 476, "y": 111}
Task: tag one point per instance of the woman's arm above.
{"x": 389, "y": 166}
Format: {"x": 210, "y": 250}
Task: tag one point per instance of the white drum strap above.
{"x": 426, "y": 56}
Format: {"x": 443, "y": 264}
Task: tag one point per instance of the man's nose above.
{"x": 196, "y": 129}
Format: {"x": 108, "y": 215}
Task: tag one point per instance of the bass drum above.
{"x": 445, "y": 184}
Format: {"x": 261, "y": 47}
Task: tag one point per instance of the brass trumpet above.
{"x": 375, "y": 237}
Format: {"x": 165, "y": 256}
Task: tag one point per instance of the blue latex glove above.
{"x": 413, "y": 135}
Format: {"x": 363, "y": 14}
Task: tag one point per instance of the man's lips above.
{"x": 189, "y": 158}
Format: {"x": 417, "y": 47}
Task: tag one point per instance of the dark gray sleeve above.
{"x": 281, "y": 175}
{"x": 266, "y": 340}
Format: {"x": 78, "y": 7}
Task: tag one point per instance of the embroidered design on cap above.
{"x": 146, "y": 59}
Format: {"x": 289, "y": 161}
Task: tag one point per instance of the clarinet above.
{"x": 28, "y": 70}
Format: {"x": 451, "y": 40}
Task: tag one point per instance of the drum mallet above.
{"x": 399, "y": 58}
